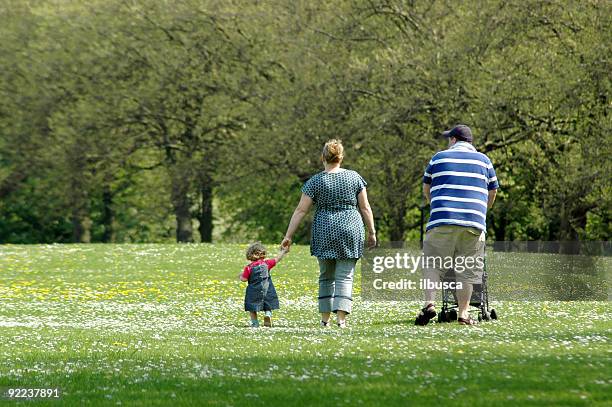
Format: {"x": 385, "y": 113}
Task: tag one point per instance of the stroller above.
{"x": 479, "y": 299}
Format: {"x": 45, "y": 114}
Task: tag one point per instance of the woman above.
{"x": 337, "y": 229}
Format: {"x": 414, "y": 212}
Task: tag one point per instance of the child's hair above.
{"x": 333, "y": 151}
{"x": 256, "y": 251}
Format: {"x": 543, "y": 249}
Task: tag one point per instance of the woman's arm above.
{"x": 368, "y": 217}
{"x": 299, "y": 213}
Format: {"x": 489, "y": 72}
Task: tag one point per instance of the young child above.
{"x": 260, "y": 293}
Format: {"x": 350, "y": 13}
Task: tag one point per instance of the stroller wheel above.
{"x": 442, "y": 316}
{"x": 452, "y": 315}
{"x": 486, "y": 316}
{"x": 493, "y": 313}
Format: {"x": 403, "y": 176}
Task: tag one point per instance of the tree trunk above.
{"x": 184, "y": 229}
{"x": 396, "y": 233}
{"x": 398, "y": 228}
{"x": 566, "y": 230}
{"x": 108, "y": 215}
{"x": 499, "y": 221}
{"x": 182, "y": 209}
{"x": 81, "y": 222}
{"x": 567, "y": 235}
{"x": 81, "y": 226}
{"x": 206, "y": 213}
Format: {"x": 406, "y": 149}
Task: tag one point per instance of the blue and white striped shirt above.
{"x": 460, "y": 179}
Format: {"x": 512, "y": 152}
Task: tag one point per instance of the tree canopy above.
{"x": 194, "y": 120}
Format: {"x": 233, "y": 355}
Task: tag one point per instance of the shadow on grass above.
{"x": 297, "y": 380}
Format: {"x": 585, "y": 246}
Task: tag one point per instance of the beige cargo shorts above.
{"x": 451, "y": 248}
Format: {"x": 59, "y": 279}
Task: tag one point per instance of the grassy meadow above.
{"x": 156, "y": 325}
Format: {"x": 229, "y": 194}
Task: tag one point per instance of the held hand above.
{"x": 281, "y": 254}
{"x": 371, "y": 240}
{"x": 286, "y": 245}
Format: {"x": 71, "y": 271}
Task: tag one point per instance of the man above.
{"x": 460, "y": 184}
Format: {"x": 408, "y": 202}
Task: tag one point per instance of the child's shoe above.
{"x": 268, "y": 319}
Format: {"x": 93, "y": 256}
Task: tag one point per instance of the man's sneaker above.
{"x": 426, "y": 314}
{"x": 254, "y": 323}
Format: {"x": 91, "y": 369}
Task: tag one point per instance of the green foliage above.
{"x": 132, "y": 118}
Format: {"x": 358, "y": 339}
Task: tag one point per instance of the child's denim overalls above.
{"x": 260, "y": 293}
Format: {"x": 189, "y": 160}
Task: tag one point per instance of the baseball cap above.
{"x": 461, "y": 132}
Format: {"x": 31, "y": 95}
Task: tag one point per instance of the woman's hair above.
{"x": 333, "y": 151}
{"x": 256, "y": 251}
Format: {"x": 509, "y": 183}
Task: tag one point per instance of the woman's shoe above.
{"x": 341, "y": 324}
{"x": 324, "y": 324}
